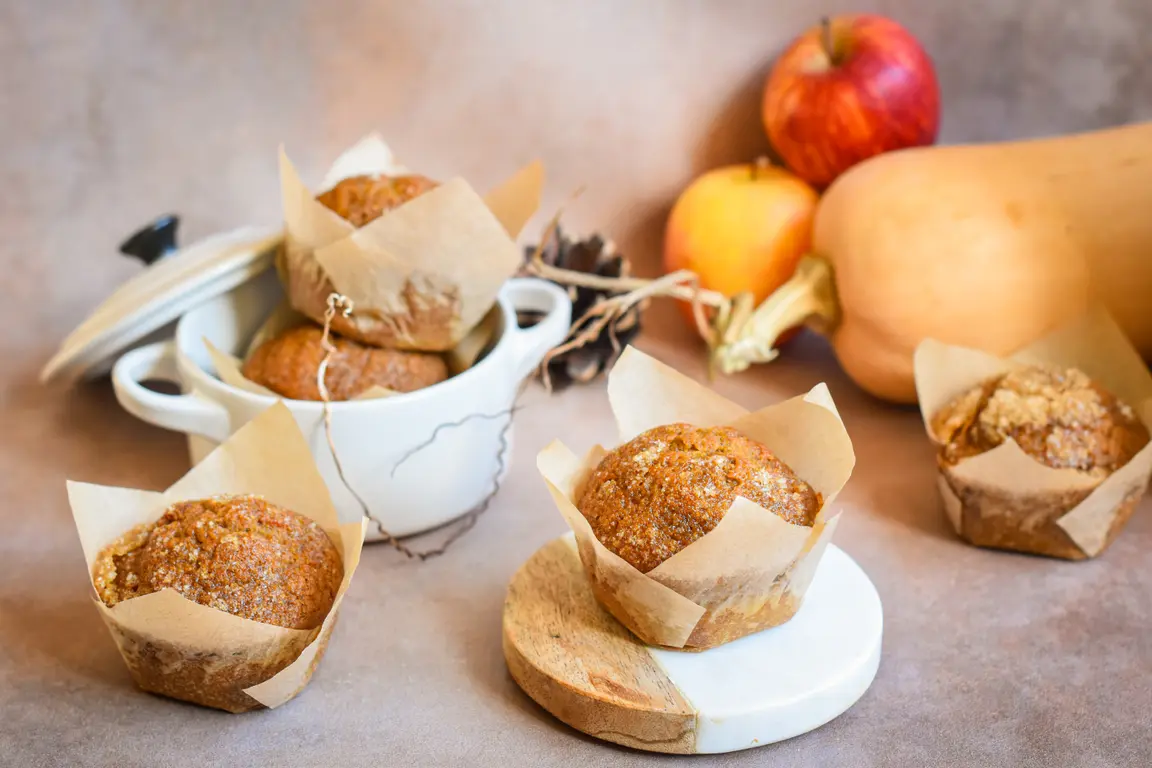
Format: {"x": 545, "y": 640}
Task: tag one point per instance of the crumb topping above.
{"x": 1058, "y": 416}
{"x": 667, "y": 487}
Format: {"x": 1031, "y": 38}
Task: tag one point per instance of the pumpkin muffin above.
{"x": 421, "y": 318}
{"x": 1060, "y": 418}
{"x": 288, "y": 365}
{"x": 238, "y": 554}
{"x": 363, "y": 199}
{"x": 667, "y": 487}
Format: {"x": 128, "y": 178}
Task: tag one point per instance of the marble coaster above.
{"x": 581, "y": 665}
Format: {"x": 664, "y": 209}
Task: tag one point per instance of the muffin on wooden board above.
{"x": 695, "y": 536}
{"x": 288, "y": 365}
{"x": 1060, "y": 418}
{"x": 665, "y": 488}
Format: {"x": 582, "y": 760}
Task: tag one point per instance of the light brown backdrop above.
{"x": 116, "y": 111}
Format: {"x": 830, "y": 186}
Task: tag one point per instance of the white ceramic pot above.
{"x": 408, "y": 488}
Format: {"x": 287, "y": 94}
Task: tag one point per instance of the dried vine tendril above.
{"x": 338, "y": 303}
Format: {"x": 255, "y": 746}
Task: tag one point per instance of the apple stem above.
{"x": 826, "y": 38}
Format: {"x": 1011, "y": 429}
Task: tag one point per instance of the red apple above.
{"x": 847, "y": 89}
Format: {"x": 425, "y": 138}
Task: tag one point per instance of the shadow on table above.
{"x": 911, "y": 503}
{"x": 481, "y": 651}
{"x": 60, "y": 640}
{"x": 82, "y": 430}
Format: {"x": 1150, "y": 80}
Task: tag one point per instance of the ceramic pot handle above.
{"x": 192, "y": 413}
{"x": 546, "y": 299}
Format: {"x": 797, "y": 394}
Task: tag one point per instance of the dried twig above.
{"x": 626, "y": 292}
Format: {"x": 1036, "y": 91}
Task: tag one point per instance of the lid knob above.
{"x": 153, "y": 241}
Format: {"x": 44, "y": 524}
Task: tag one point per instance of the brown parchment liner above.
{"x": 422, "y": 275}
{"x": 230, "y": 369}
{"x": 1005, "y": 499}
{"x": 179, "y": 648}
{"x": 751, "y": 571}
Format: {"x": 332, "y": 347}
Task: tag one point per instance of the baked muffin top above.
{"x": 362, "y": 199}
{"x": 238, "y": 554}
{"x": 288, "y": 365}
{"x": 667, "y": 487}
{"x": 1058, "y": 416}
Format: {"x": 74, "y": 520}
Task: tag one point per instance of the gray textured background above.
{"x": 112, "y": 112}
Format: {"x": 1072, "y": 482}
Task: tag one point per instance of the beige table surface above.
{"x": 989, "y": 658}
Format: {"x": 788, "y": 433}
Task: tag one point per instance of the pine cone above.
{"x": 597, "y": 256}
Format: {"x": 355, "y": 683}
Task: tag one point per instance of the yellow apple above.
{"x": 741, "y": 228}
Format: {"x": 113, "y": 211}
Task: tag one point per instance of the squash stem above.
{"x": 808, "y": 298}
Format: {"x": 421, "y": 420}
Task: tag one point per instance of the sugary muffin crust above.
{"x": 239, "y": 554}
{"x": 288, "y": 365}
{"x": 363, "y": 199}
{"x": 664, "y": 489}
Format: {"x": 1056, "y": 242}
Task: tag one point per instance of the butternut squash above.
{"x": 988, "y": 246}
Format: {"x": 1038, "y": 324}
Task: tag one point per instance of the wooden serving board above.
{"x": 581, "y": 665}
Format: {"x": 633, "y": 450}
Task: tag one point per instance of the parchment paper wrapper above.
{"x": 178, "y": 648}
{"x": 422, "y": 275}
{"x": 752, "y": 570}
{"x": 460, "y": 358}
{"x": 1005, "y": 499}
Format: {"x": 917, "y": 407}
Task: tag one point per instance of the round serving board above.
{"x": 585, "y": 668}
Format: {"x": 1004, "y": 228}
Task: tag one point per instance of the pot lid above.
{"x": 176, "y": 280}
